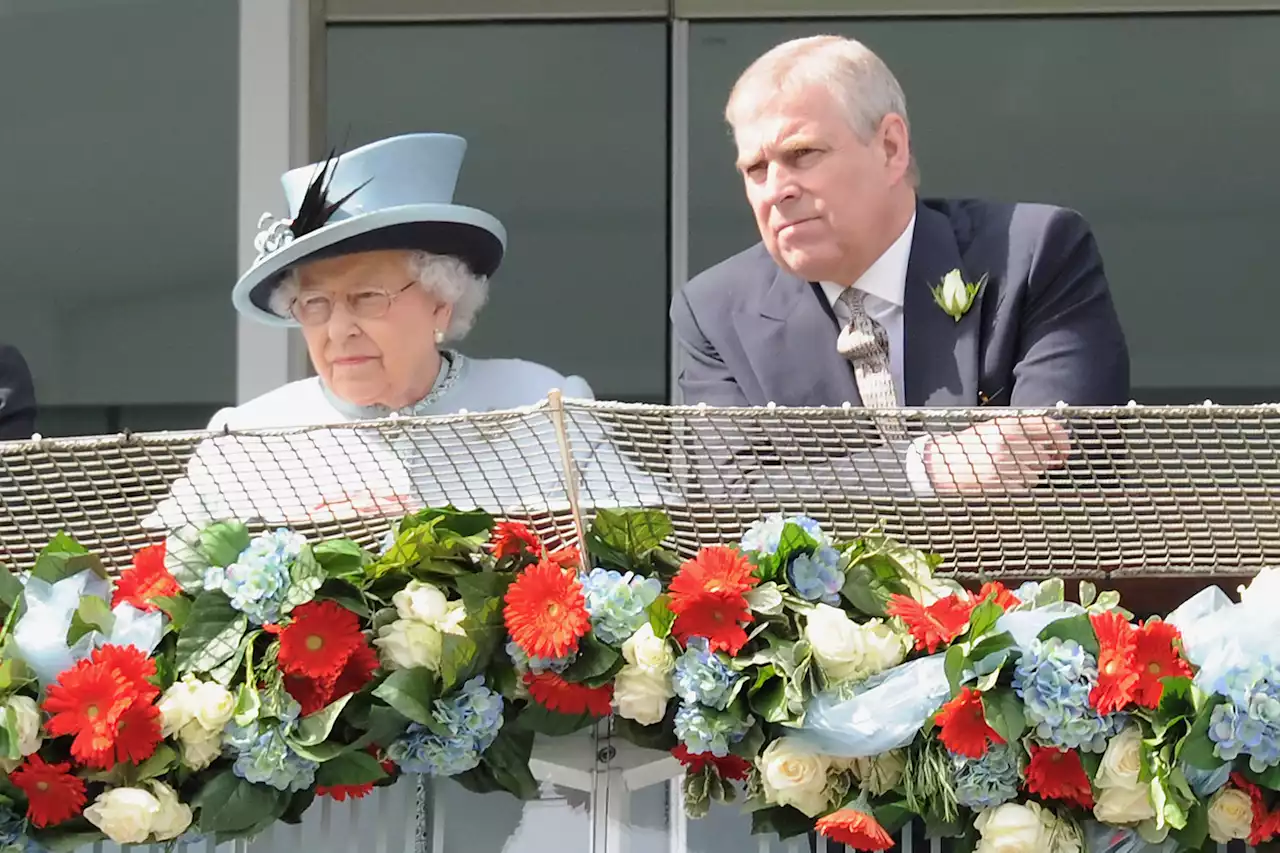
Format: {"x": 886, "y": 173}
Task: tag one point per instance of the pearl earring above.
{"x": 439, "y": 336}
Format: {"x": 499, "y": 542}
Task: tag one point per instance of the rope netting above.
{"x": 1142, "y": 490}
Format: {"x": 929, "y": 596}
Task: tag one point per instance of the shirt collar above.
{"x": 886, "y": 278}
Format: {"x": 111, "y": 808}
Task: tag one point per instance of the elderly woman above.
{"x": 383, "y": 272}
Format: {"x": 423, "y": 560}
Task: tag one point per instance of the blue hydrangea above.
{"x": 1248, "y": 723}
{"x": 471, "y": 717}
{"x": 703, "y": 729}
{"x": 989, "y": 781}
{"x": 817, "y": 576}
{"x": 618, "y": 603}
{"x": 524, "y": 663}
{"x": 258, "y": 580}
{"x": 13, "y": 834}
{"x": 265, "y": 757}
{"x": 1054, "y": 678}
{"x": 702, "y": 677}
{"x": 766, "y": 534}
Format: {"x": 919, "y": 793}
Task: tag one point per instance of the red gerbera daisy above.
{"x": 964, "y": 728}
{"x": 855, "y": 829}
{"x": 87, "y": 702}
{"x": 133, "y": 666}
{"x": 1057, "y": 774}
{"x": 342, "y": 793}
{"x": 552, "y": 692}
{"x": 999, "y": 593}
{"x": 511, "y": 539}
{"x": 567, "y": 558}
{"x": 935, "y": 625}
{"x": 53, "y": 794}
{"x": 311, "y": 694}
{"x": 1157, "y": 656}
{"x": 728, "y": 766}
{"x": 1265, "y": 822}
{"x": 546, "y": 613}
{"x": 137, "y": 736}
{"x": 358, "y": 672}
{"x": 1117, "y": 677}
{"x": 317, "y": 643}
{"x": 146, "y": 580}
{"x": 706, "y": 596}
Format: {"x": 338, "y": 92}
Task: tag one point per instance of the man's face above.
{"x": 824, "y": 201}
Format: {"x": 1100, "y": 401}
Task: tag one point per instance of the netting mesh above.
{"x": 1172, "y": 491}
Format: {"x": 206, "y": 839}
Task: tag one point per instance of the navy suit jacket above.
{"x": 1043, "y": 329}
{"x": 17, "y": 396}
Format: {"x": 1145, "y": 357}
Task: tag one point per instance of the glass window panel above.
{"x": 1171, "y": 160}
{"x": 118, "y": 227}
{"x": 566, "y": 124}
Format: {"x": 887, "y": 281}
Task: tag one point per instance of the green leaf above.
{"x": 10, "y": 587}
{"x": 411, "y": 692}
{"x": 314, "y": 728}
{"x": 222, "y": 543}
{"x": 783, "y": 821}
{"x": 1077, "y": 628}
{"x": 230, "y": 804}
{"x": 1088, "y": 593}
{"x": 766, "y": 599}
{"x": 596, "y": 662}
{"x": 306, "y": 576}
{"x": 64, "y": 557}
{"x": 1196, "y": 749}
{"x": 537, "y": 719}
{"x": 992, "y": 644}
{"x": 212, "y": 633}
{"x": 248, "y": 704}
{"x": 350, "y": 768}
{"x": 298, "y": 805}
{"x": 508, "y": 759}
{"x": 158, "y": 764}
{"x": 340, "y": 558}
{"x": 345, "y": 594}
{"x": 457, "y": 659}
{"x": 1003, "y": 712}
{"x": 953, "y": 665}
{"x": 91, "y": 615}
{"x": 1196, "y": 832}
{"x": 767, "y": 697}
{"x": 657, "y": 736}
{"x": 983, "y": 618}
{"x": 633, "y": 533}
{"x": 1269, "y": 778}
{"x": 480, "y": 592}
{"x": 61, "y": 840}
{"x": 176, "y": 607}
{"x": 660, "y": 616}
{"x": 383, "y": 726}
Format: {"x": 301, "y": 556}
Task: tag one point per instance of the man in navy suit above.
{"x": 837, "y": 303}
{"x": 17, "y": 396}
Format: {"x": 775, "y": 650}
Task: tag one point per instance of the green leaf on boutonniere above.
{"x": 955, "y": 296}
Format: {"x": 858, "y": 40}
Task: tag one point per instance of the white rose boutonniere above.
{"x": 955, "y": 295}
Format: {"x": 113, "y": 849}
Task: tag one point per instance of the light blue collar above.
{"x": 452, "y": 366}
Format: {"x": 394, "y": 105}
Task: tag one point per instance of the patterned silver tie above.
{"x": 866, "y": 344}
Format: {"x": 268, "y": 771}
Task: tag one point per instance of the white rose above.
{"x": 1013, "y": 828}
{"x": 645, "y": 651}
{"x": 1124, "y": 805}
{"x": 1122, "y": 762}
{"x": 641, "y": 696}
{"x": 212, "y": 706}
{"x": 177, "y": 705}
{"x": 408, "y": 643}
{"x": 880, "y": 773}
{"x": 174, "y": 816}
{"x": 847, "y": 651}
{"x": 199, "y": 753}
{"x": 124, "y": 814}
{"x": 793, "y": 775}
{"x": 421, "y": 601}
{"x": 1230, "y": 815}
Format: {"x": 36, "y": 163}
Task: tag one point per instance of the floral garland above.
{"x": 226, "y": 680}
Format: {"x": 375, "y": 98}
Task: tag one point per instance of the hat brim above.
{"x": 472, "y": 235}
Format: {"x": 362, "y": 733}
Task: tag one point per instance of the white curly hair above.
{"x": 445, "y": 277}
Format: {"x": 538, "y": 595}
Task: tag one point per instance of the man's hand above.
{"x": 1006, "y": 454}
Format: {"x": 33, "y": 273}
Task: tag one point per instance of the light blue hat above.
{"x": 396, "y": 193}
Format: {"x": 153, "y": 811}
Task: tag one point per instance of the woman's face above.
{"x": 368, "y": 356}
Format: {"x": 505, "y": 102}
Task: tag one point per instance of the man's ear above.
{"x": 895, "y": 142}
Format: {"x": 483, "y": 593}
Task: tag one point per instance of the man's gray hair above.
{"x": 849, "y": 70}
{"x": 447, "y": 278}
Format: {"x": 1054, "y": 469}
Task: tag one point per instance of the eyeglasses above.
{"x": 313, "y": 309}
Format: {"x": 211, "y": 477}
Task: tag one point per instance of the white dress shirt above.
{"x": 885, "y": 283}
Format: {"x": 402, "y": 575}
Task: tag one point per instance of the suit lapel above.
{"x": 941, "y": 367}
{"x": 793, "y": 351}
